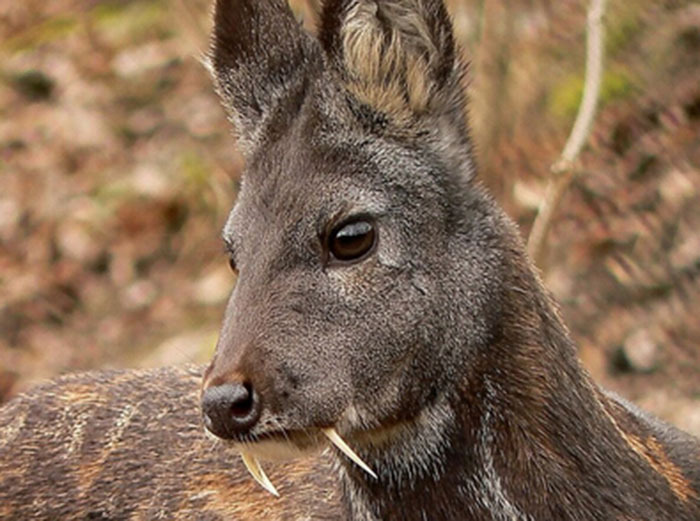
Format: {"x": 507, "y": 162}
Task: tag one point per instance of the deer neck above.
{"x": 518, "y": 426}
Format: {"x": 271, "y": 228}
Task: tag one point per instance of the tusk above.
{"x": 253, "y": 466}
{"x": 336, "y": 440}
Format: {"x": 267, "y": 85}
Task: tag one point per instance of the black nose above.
{"x": 230, "y": 409}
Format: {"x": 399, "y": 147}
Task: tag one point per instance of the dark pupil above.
{"x": 352, "y": 240}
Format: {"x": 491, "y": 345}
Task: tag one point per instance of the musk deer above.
{"x": 384, "y": 304}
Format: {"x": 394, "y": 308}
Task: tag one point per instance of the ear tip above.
{"x": 231, "y": 16}
{"x": 226, "y": 13}
{"x": 223, "y": 7}
{"x": 330, "y": 21}
{"x": 260, "y": 57}
{"x": 236, "y": 23}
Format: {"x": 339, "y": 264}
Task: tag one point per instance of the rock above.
{"x": 215, "y": 287}
{"x": 139, "y": 294}
{"x": 641, "y": 352}
{"x": 75, "y": 241}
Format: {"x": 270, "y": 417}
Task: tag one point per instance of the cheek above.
{"x": 388, "y": 335}
{"x": 310, "y": 376}
{"x": 364, "y": 284}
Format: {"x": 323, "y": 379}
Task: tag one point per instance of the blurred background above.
{"x": 117, "y": 170}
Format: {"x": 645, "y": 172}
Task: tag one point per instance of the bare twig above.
{"x": 564, "y": 170}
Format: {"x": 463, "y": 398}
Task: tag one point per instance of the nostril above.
{"x": 244, "y": 402}
{"x": 230, "y": 409}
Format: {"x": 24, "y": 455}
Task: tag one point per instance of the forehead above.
{"x": 325, "y": 163}
{"x": 306, "y": 180}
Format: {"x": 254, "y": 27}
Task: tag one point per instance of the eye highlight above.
{"x": 352, "y": 241}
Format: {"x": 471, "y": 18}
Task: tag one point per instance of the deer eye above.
{"x": 352, "y": 241}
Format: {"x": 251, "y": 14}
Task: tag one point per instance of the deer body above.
{"x": 381, "y": 293}
{"x": 129, "y": 445}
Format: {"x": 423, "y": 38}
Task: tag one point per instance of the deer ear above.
{"x": 398, "y": 56}
{"x": 261, "y": 60}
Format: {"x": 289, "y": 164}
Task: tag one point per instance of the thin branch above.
{"x": 564, "y": 169}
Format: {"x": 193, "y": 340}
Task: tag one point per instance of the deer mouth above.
{"x": 280, "y": 445}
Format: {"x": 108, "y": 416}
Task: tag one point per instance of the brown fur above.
{"x": 651, "y": 450}
{"x": 137, "y": 451}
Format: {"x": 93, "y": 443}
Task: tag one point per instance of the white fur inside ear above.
{"x": 343, "y": 447}
{"x": 391, "y": 70}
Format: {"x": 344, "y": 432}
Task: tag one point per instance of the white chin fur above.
{"x": 273, "y": 450}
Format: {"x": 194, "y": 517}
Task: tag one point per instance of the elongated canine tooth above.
{"x": 336, "y": 440}
{"x": 253, "y": 466}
